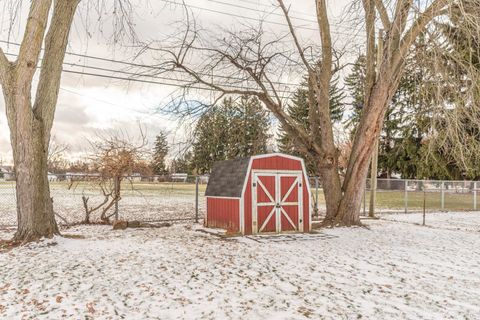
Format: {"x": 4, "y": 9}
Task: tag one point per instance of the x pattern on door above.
{"x": 277, "y": 203}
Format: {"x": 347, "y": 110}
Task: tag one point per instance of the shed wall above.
{"x": 223, "y": 213}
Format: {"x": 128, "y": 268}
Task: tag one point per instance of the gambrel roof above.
{"x": 227, "y": 178}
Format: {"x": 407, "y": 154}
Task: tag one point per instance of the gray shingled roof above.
{"x": 227, "y": 178}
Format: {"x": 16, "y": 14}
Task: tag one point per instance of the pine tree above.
{"x": 230, "y": 130}
{"x": 159, "y": 154}
{"x": 248, "y": 128}
{"x": 298, "y": 109}
{"x": 183, "y": 164}
{"x": 355, "y": 82}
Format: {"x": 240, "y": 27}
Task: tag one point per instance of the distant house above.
{"x": 6, "y": 173}
{"x": 52, "y": 177}
{"x": 135, "y": 177}
{"x": 80, "y": 176}
{"x": 179, "y": 177}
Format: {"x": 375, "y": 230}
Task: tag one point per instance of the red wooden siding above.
{"x": 276, "y": 162}
{"x": 223, "y": 213}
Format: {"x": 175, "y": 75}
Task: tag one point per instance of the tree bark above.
{"x": 35, "y": 214}
{"x": 332, "y": 190}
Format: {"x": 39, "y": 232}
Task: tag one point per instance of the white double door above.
{"x": 277, "y": 202}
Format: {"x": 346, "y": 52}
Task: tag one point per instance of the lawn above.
{"x": 166, "y": 200}
{"x": 395, "y": 201}
{"x": 393, "y": 270}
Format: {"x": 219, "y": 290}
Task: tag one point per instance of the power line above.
{"x": 312, "y": 20}
{"x": 270, "y": 5}
{"x": 186, "y": 84}
{"x": 143, "y": 66}
{"x": 230, "y": 14}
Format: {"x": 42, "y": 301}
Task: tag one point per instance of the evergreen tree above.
{"x": 298, "y": 109}
{"x": 248, "y": 128}
{"x": 355, "y": 82}
{"x": 405, "y": 123}
{"x": 230, "y": 130}
{"x": 160, "y": 152}
{"x": 182, "y": 164}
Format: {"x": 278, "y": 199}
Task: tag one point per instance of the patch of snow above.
{"x": 393, "y": 270}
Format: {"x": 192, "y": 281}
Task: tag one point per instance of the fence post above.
{"x": 365, "y": 199}
{"x": 406, "y": 196}
{"x": 474, "y": 196}
{"x": 424, "y": 205}
{"x": 117, "y": 188}
{"x": 316, "y": 196}
{"x": 196, "y": 198}
{"x": 443, "y": 194}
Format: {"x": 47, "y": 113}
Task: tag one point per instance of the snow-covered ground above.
{"x": 467, "y": 221}
{"x": 154, "y": 203}
{"x": 394, "y": 270}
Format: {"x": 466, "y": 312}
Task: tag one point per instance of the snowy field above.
{"x": 393, "y": 270}
{"x": 466, "y": 221}
{"x": 143, "y": 201}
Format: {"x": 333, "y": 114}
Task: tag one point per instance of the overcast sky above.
{"x": 88, "y": 105}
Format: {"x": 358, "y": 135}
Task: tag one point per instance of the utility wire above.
{"x": 230, "y": 14}
{"x": 186, "y": 84}
{"x": 312, "y": 20}
{"x": 156, "y": 68}
{"x": 271, "y": 5}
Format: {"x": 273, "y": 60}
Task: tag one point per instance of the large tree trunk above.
{"x": 35, "y": 215}
{"x": 332, "y": 189}
{"x": 367, "y": 134}
{"x": 34, "y": 208}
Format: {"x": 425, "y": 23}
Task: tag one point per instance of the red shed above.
{"x": 259, "y": 194}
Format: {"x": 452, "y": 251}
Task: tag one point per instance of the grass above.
{"x": 391, "y": 200}
{"x": 394, "y": 200}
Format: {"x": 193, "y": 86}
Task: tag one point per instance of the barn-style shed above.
{"x": 266, "y": 193}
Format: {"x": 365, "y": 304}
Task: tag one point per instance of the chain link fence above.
{"x": 398, "y": 195}
{"x": 147, "y": 199}
{"x": 181, "y": 197}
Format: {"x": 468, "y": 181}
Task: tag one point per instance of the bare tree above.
{"x": 115, "y": 157}
{"x": 255, "y": 62}
{"x": 30, "y": 120}
{"x": 89, "y": 210}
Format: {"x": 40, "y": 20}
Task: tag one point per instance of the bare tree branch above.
{"x": 382, "y": 11}
{"x": 5, "y": 66}
{"x": 369, "y": 8}
{"x": 435, "y": 9}
{"x": 51, "y": 72}
{"x": 33, "y": 38}
{"x": 300, "y": 50}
